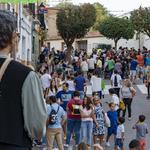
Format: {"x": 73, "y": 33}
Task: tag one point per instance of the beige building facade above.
{"x": 90, "y": 41}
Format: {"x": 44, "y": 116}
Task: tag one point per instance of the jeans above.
{"x": 86, "y": 131}
{"x": 73, "y": 126}
{"x": 81, "y": 95}
{"x": 127, "y": 102}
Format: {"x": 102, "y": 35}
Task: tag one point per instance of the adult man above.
{"x": 64, "y": 96}
{"x": 80, "y": 83}
{"x": 116, "y": 82}
{"x": 22, "y": 107}
{"x": 74, "y": 118}
{"x": 45, "y": 80}
{"x": 54, "y": 130}
{"x": 133, "y": 68}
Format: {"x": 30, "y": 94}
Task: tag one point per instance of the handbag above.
{"x": 122, "y": 105}
{"x": 107, "y": 120}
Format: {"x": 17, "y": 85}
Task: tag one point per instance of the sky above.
{"x": 122, "y": 6}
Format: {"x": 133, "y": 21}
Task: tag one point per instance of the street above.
{"x": 140, "y": 105}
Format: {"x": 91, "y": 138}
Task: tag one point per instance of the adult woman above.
{"x": 127, "y": 92}
{"x": 87, "y": 121}
{"x": 53, "y": 88}
{"x": 99, "y": 121}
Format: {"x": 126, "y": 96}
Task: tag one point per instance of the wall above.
{"x": 92, "y": 42}
{"x": 25, "y": 44}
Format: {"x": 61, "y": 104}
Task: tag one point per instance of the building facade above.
{"x": 92, "y": 40}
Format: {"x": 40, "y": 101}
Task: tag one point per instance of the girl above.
{"x": 86, "y": 112}
{"x": 99, "y": 119}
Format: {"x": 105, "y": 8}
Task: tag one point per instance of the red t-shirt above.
{"x": 140, "y": 60}
{"x": 73, "y": 109}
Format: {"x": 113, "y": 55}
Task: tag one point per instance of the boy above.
{"x": 141, "y": 131}
{"x": 120, "y": 134}
{"x": 134, "y": 145}
{"x": 113, "y": 117}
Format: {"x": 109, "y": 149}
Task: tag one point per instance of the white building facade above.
{"x": 25, "y": 43}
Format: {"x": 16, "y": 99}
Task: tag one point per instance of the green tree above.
{"x": 74, "y": 22}
{"x": 101, "y": 14}
{"x": 141, "y": 20}
{"x": 116, "y": 28}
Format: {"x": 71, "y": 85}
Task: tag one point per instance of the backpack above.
{"x": 53, "y": 116}
{"x": 115, "y": 81}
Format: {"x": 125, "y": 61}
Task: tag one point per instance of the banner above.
{"x": 18, "y": 1}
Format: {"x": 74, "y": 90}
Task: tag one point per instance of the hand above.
{"x": 97, "y": 125}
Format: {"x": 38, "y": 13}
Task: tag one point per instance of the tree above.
{"x": 101, "y": 14}
{"x": 74, "y": 22}
{"x": 116, "y": 28}
{"x": 141, "y": 20}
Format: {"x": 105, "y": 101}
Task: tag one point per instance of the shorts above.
{"x": 119, "y": 143}
{"x": 133, "y": 73}
{"x": 112, "y": 130}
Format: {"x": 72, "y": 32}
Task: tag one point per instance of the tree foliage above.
{"x": 74, "y": 22}
{"x": 141, "y": 20}
{"x": 101, "y": 14}
{"x": 116, "y": 28}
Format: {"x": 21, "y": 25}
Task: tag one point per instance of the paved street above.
{"x": 140, "y": 105}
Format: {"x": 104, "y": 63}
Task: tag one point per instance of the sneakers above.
{"x": 66, "y": 145}
{"x": 107, "y": 144}
{"x": 148, "y": 96}
{"x": 129, "y": 118}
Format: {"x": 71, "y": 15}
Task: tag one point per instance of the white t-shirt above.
{"x": 95, "y": 58}
{"x": 45, "y": 80}
{"x": 88, "y": 90}
{"x": 71, "y": 85}
{"x": 91, "y": 63}
{"x": 84, "y": 66}
{"x": 96, "y": 84}
{"x": 120, "y": 130}
{"x": 119, "y": 79}
{"x": 115, "y": 100}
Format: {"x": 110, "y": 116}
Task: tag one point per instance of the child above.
{"x": 98, "y": 126}
{"x": 120, "y": 134}
{"x": 141, "y": 131}
{"x": 113, "y": 117}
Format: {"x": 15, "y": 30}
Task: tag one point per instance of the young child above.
{"x": 120, "y": 134}
{"x": 98, "y": 126}
{"x": 113, "y": 117}
{"x": 141, "y": 131}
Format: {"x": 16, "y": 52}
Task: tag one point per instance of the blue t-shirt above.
{"x": 61, "y": 113}
{"x": 79, "y": 81}
{"x": 147, "y": 61}
{"x": 133, "y": 65}
{"x": 113, "y": 117}
{"x": 64, "y": 96}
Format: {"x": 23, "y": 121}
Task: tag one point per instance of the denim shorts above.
{"x": 119, "y": 143}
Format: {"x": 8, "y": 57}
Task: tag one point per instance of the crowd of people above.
{"x": 75, "y": 91}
